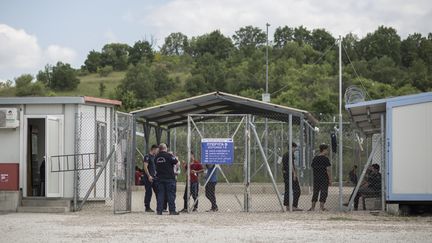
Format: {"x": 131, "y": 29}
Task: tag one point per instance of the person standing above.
{"x": 148, "y": 178}
{"x": 195, "y": 169}
{"x": 166, "y": 179}
{"x": 210, "y": 188}
{"x": 321, "y": 177}
{"x": 295, "y": 181}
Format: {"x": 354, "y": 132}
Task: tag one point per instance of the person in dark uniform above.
{"x": 166, "y": 179}
{"x": 149, "y": 175}
{"x": 321, "y": 177}
{"x": 295, "y": 181}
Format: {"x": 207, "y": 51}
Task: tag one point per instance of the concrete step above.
{"x": 45, "y": 202}
{"x": 43, "y": 209}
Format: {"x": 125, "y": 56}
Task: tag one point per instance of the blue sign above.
{"x": 217, "y": 151}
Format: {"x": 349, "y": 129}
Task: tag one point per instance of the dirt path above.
{"x": 213, "y": 227}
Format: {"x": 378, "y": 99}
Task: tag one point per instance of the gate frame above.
{"x": 248, "y": 127}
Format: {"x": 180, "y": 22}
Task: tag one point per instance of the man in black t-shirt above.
{"x": 149, "y": 175}
{"x": 372, "y": 186}
{"x": 295, "y": 181}
{"x": 321, "y": 177}
{"x": 166, "y": 179}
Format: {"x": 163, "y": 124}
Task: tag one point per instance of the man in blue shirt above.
{"x": 166, "y": 179}
{"x": 210, "y": 188}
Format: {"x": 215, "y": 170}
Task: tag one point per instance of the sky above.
{"x": 34, "y": 33}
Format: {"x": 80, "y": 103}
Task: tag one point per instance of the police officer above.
{"x": 166, "y": 180}
{"x": 149, "y": 175}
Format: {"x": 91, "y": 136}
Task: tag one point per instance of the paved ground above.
{"x": 102, "y": 226}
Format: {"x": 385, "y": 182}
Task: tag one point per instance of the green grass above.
{"x": 89, "y": 85}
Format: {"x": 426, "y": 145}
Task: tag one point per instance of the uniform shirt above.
{"x": 150, "y": 159}
{"x": 195, "y": 165}
{"x": 319, "y": 166}
{"x": 165, "y": 166}
{"x": 210, "y": 169}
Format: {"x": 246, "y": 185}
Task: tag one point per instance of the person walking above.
{"x": 295, "y": 180}
{"x": 321, "y": 177}
{"x": 166, "y": 179}
{"x": 210, "y": 188}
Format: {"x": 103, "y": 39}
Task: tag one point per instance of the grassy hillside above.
{"x": 89, "y": 85}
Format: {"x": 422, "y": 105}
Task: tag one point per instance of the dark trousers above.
{"x": 321, "y": 188}
{"x": 210, "y": 194}
{"x": 150, "y": 187}
{"x": 168, "y": 187}
{"x": 364, "y": 191}
{"x": 296, "y": 192}
{"x": 194, "y": 192}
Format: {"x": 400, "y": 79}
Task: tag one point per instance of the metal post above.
{"x": 267, "y": 166}
{"x": 189, "y": 148}
{"x": 340, "y": 128}
{"x": 383, "y": 165}
{"x": 290, "y": 168}
{"x": 246, "y": 168}
{"x": 301, "y": 145}
{"x": 133, "y": 152}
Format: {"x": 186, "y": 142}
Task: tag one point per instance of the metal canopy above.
{"x": 175, "y": 113}
{"x": 366, "y": 115}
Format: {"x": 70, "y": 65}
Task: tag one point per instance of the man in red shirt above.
{"x": 195, "y": 169}
{"x": 138, "y": 176}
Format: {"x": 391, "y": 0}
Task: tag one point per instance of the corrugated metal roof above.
{"x": 175, "y": 113}
{"x": 367, "y": 115}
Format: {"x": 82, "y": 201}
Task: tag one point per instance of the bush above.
{"x": 105, "y": 71}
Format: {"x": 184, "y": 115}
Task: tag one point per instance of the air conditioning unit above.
{"x": 9, "y": 118}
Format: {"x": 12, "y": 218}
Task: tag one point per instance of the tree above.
{"x": 349, "y": 42}
{"x": 139, "y": 79}
{"x": 283, "y": 35}
{"x": 141, "y": 51}
{"x": 164, "y": 85}
{"x": 410, "y": 48}
{"x": 59, "y": 77}
{"x": 104, "y": 71}
{"x": 302, "y": 35}
{"x": 382, "y": 42}
{"x": 115, "y": 55}
{"x": 214, "y": 43}
{"x": 321, "y": 40}
{"x": 175, "y": 44}
{"x": 248, "y": 38}
{"x": 25, "y": 87}
{"x": 93, "y": 61}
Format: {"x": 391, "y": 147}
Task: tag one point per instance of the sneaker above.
{"x": 174, "y": 213}
{"x": 184, "y": 210}
{"x": 159, "y": 213}
{"x": 297, "y": 209}
{"x": 195, "y": 209}
{"x": 149, "y": 210}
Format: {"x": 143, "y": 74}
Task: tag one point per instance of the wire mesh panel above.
{"x": 220, "y": 186}
{"x": 122, "y": 163}
{"x": 102, "y": 160}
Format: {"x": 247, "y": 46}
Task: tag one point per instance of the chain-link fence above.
{"x": 258, "y": 179}
{"x": 103, "y": 160}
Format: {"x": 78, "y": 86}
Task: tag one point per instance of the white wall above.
{"x": 412, "y": 149}
{"x": 10, "y": 143}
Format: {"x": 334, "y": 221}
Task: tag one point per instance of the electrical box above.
{"x": 9, "y": 118}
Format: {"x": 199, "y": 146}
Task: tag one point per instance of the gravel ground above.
{"x": 103, "y": 226}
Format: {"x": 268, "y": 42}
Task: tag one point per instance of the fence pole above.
{"x": 290, "y": 168}
{"x": 189, "y": 149}
{"x": 247, "y": 169}
{"x": 383, "y": 165}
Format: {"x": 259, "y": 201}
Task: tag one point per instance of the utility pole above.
{"x": 340, "y": 127}
{"x": 266, "y": 95}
